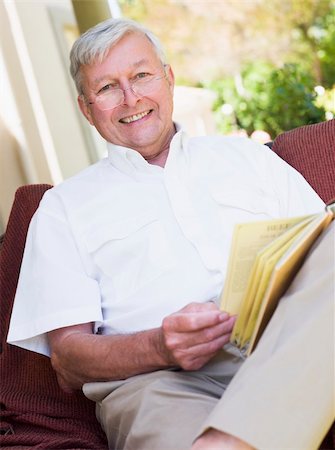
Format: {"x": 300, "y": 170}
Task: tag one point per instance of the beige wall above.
{"x": 52, "y": 142}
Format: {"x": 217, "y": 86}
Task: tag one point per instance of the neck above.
{"x": 161, "y": 157}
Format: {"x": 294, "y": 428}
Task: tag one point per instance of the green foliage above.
{"x": 273, "y": 100}
{"x": 300, "y": 33}
{"x": 326, "y": 100}
{"x": 326, "y": 48}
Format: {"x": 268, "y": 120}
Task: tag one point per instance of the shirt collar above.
{"x": 131, "y": 162}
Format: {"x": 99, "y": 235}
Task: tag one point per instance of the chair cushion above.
{"x": 311, "y": 150}
{"x": 34, "y": 410}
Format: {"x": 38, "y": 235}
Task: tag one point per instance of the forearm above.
{"x": 78, "y": 356}
{"x": 187, "y": 339}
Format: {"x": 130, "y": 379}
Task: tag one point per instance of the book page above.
{"x": 248, "y": 239}
{"x": 264, "y": 279}
{"x": 246, "y": 302}
{"x": 285, "y": 270}
{"x": 259, "y": 279}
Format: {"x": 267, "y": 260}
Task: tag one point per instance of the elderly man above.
{"x": 124, "y": 261}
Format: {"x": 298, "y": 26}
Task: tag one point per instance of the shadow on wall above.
{"x": 12, "y": 174}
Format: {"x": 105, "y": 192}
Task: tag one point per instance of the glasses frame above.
{"x": 130, "y": 88}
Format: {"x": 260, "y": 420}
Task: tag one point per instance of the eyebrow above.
{"x": 140, "y": 62}
{"x": 136, "y": 64}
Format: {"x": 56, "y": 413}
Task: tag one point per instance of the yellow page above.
{"x": 246, "y": 303}
{"x": 248, "y": 239}
{"x": 285, "y": 270}
{"x": 252, "y": 291}
{"x": 265, "y": 276}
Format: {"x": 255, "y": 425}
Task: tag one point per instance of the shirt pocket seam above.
{"x": 249, "y": 200}
{"x": 117, "y": 230}
{"x": 129, "y": 257}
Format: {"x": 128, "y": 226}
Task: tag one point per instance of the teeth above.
{"x": 134, "y": 117}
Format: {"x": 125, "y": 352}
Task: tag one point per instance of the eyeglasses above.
{"x": 143, "y": 85}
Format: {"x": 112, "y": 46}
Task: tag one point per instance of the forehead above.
{"x": 132, "y": 51}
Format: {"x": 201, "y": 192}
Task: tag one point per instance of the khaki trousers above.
{"x": 280, "y": 398}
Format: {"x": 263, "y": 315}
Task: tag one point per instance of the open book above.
{"x": 264, "y": 258}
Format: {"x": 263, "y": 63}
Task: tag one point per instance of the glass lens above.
{"x": 145, "y": 86}
{"x": 109, "y": 100}
{"x": 140, "y": 87}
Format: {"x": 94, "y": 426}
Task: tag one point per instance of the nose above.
{"x": 130, "y": 98}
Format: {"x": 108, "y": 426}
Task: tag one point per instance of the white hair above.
{"x": 96, "y": 42}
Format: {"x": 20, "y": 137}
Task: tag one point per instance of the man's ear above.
{"x": 84, "y": 108}
{"x": 170, "y": 77}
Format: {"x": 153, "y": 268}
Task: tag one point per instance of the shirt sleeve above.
{"x": 54, "y": 289}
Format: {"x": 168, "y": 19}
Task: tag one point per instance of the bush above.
{"x": 273, "y": 100}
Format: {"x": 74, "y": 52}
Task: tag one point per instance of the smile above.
{"x": 135, "y": 117}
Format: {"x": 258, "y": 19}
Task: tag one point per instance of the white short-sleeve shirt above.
{"x": 125, "y": 243}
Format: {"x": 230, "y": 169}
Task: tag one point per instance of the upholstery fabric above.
{"x": 311, "y": 150}
{"x": 34, "y": 410}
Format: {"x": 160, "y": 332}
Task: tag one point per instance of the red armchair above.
{"x": 34, "y": 412}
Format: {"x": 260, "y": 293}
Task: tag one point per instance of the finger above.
{"x": 192, "y": 321}
{"x": 176, "y": 342}
{"x": 196, "y": 357}
{"x": 200, "y": 307}
{"x": 216, "y": 331}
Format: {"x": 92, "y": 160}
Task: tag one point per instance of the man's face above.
{"x": 142, "y": 123}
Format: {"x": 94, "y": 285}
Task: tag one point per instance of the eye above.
{"x": 105, "y": 88}
{"x": 142, "y": 75}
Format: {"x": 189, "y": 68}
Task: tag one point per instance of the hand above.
{"x": 193, "y": 335}
{"x": 217, "y": 440}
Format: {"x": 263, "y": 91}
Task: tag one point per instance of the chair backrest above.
{"x": 311, "y": 150}
{"x": 34, "y": 410}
